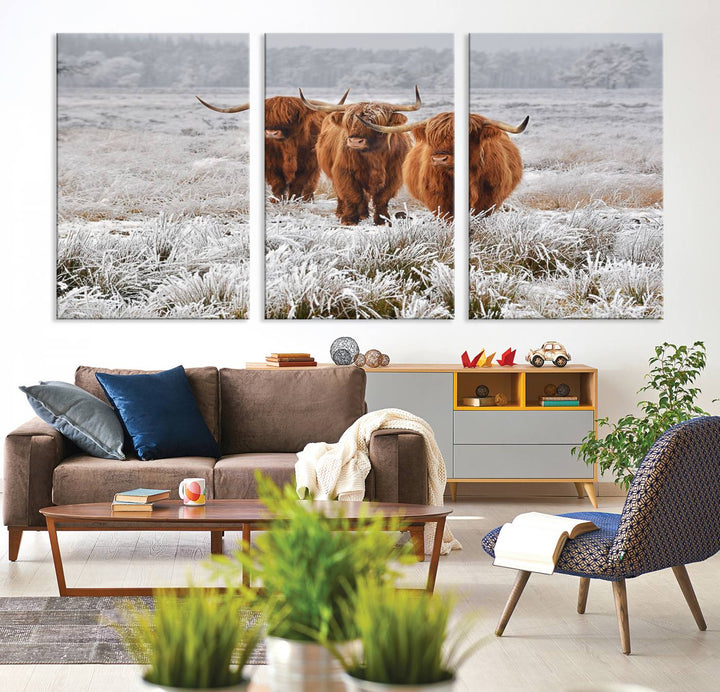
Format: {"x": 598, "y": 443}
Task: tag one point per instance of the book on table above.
{"x": 131, "y": 507}
{"x": 141, "y": 496}
{"x": 534, "y": 540}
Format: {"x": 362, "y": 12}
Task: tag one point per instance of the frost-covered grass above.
{"x": 152, "y": 206}
{"x": 582, "y": 236}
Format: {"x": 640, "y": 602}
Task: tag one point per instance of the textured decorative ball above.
{"x": 550, "y": 390}
{"x": 481, "y": 391}
{"x": 373, "y": 358}
{"x": 342, "y": 357}
{"x": 347, "y": 344}
{"x": 385, "y": 360}
{"x": 563, "y": 389}
{"x": 500, "y": 399}
{"x": 359, "y": 360}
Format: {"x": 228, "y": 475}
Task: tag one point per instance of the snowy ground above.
{"x": 582, "y": 236}
{"x": 152, "y": 206}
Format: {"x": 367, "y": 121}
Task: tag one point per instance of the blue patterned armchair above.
{"x": 671, "y": 518}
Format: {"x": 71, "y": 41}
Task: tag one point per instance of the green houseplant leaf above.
{"x": 673, "y": 372}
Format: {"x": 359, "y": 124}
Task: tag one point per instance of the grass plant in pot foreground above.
{"x": 673, "y": 372}
{"x": 198, "y": 641}
{"x": 405, "y": 641}
{"x": 310, "y": 561}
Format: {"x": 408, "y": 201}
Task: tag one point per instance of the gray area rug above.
{"x": 69, "y": 630}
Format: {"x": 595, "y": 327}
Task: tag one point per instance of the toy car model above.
{"x": 551, "y": 350}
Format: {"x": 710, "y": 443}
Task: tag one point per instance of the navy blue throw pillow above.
{"x": 160, "y": 413}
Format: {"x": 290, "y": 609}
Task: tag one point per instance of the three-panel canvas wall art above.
{"x": 564, "y": 176}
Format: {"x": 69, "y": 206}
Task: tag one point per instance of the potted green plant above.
{"x": 198, "y": 641}
{"x": 405, "y": 642}
{"x": 673, "y": 372}
{"x": 310, "y": 565}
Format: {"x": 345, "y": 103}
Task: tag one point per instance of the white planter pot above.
{"x": 240, "y": 687}
{"x": 356, "y": 685}
{"x": 301, "y": 667}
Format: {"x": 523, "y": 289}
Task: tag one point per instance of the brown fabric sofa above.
{"x": 260, "y": 418}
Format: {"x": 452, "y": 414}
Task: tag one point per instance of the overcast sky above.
{"x": 371, "y": 41}
{"x": 496, "y": 42}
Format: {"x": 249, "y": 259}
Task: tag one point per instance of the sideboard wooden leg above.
{"x": 580, "y": 490}
{"x": 453, "y": 491}
{"x": 590, "y": 490}
{"x": 14, "y": 538}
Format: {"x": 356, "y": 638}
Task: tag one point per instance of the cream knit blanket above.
{"x": 329, "y": 471}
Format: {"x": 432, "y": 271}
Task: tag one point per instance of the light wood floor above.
{"x": 547, "y": 646}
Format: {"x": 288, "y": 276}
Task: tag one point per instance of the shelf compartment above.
{"x": 511, "y": 384}
{"x": 582, "y": 385}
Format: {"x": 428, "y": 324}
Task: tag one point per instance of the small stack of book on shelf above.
{"x": 559, "y": 401}
{"x": 290, "y": 360}
{"x": 138, "y": 500}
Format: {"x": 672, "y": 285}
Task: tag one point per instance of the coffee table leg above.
{"x": 57, "y": 558}
{"x": 435, "y": 557}
{"x": 245, "y": 548}
{"x": 216, "y": 542}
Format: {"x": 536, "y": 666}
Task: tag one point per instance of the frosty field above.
{"x": 582, "y": 235}
{"x": 152, "y": 206}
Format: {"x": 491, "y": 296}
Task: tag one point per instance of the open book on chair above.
{"x": 533, "y": 541}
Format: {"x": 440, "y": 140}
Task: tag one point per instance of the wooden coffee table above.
{"x": 218, "y": 516}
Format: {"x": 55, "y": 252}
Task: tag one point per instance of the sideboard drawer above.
{"x": 522, "y": 427}
{"x": 519, "y": 461}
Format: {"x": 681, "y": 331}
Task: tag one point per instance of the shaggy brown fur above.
{"x": 362, "y": 164}
{"x": 428, "y": 172}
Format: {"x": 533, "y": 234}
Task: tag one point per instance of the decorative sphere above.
{"x": 373, "y": 358}
{"x": 550, "y": 390}
{"x": 563, "y": 389}
{"x": 481, "y": 391}
{"x": 500, "y": 399}
{"x": 347, "y": 344}
{"x": 359, "y": 360}
{"x": 385, "y": 360}
{"x": 342, "y": 357}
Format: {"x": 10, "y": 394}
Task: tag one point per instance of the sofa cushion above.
{"x": 203, "y": 382}
{"x": 160, "y": 413}
{"x": 81, "y": 478}
{"x": 235, "y": 475}
{"x": 281, "y": 411}
{"x": 83, "y": 418}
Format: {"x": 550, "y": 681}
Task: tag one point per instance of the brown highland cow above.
{"x": 428, "y": 171}
{"x": 291, "y": 132}
{"x": 363, "y": 164}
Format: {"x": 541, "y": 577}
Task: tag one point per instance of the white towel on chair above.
{"x": 329, "y": 471}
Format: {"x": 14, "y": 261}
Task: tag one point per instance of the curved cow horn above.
{"x": 390, "y": 129}
{"x": 322, "y": 106}
{"x": 508, "y": 128}
{"x": 415, "y": 106}
{"x": 233, "y": 109}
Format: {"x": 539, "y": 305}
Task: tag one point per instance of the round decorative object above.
{"x": 550, "y": 390}
{"x": 385, "y": 360}
{"x": 346, "y": 344}
{"x": 563, "y": 389}
{"x": 359, "y": 360}
{"x": 500, "y": 399}
{"x": 373, "y": 358}
{"x": 342, "y": 357}
{"x": 482, "y": 391}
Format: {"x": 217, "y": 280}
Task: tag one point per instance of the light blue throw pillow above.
{"x": 83, "y": 418}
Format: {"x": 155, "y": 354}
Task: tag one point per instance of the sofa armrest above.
{"x": 399, "y": 472}
{"x": 31, "y": 454}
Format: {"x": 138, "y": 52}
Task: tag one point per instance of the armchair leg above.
{"x": 621, "y": 608}
{"x": 583, "y": 594}
{"x": 520, "y": 581}
{"x": 14, "y": 538}
{"x": 686, "y": 587}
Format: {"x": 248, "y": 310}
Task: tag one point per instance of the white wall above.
{"x": 36, "y": 346}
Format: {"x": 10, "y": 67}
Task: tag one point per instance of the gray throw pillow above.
{"x": 83, "y": 418}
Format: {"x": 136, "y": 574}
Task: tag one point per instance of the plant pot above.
{"x": 357, "y": 685}
{"x": 240, "y": 687}
{"x": 301, "y": 667}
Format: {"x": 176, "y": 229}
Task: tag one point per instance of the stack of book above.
{"x": 290, "y": 360}
{"x": 138, "y": 500}
{"x": 559, "y": 401}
